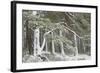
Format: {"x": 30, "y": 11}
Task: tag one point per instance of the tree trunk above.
{"x": 76, "y": 49}
{"x": 84, "y": 46}
{"x": 53, "y": 48}
{"x": 36, "y": 41}
{"x": 46, "y": 47}
{"x": 28, "y": 39}
{"x": 42, "y": 46}
{"x": 61, "y": 43}
{"x": 37, "y": 48}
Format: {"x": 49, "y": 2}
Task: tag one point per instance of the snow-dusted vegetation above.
{"x": 55, "y": 36}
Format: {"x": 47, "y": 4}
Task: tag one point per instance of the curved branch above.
{"x": 44, "y": 40}
{"x": 71, "y": 30}
{"x": 49, "y": 32}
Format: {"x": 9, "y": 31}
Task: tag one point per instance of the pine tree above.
{"x": 56, "y": 32}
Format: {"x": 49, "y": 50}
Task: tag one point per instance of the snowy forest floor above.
{"x": 50, "y": 57}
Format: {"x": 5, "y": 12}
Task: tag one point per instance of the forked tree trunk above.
{"x": 37, "y": 48}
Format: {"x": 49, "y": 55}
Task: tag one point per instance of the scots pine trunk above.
{"x": 53, "y": 47}
{"x": 28, "y": 38}
{"x": 46, "y": 47}
{"x": 76, "y": 48}
{"x": 37, "y": 48}
{"x": 61, "y": 44}
{"x": 84, "y": 46}
{"x": 36, "y": 41}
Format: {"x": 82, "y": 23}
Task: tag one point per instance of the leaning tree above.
{"x": 50, "y": 30}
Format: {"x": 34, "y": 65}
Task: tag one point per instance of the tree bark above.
{"x": 76, "y": 48}
{"x": 28, "y": 38}
{"x": 36, "y": 41}
{"x": 61, "y": 44}
{"x": 53, "y": 48}
{"x": 37, "y": 48}
{"x": 46, "y": 47}
{"x": 42, "y": 46}
{"x": 84, "y": 46}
